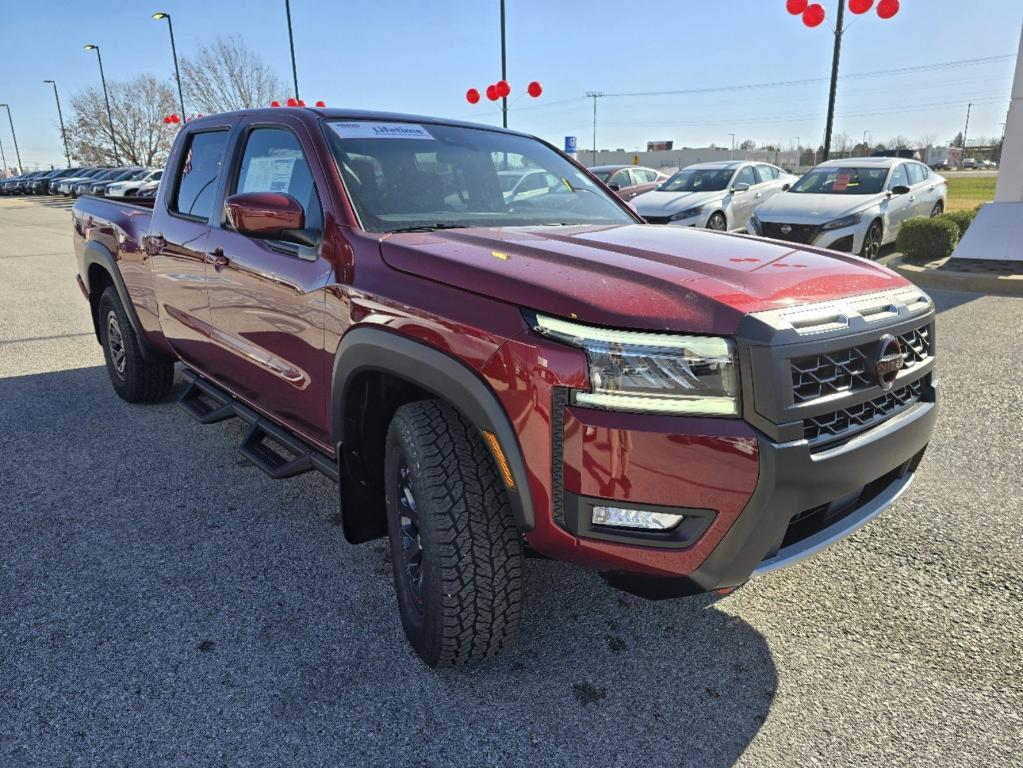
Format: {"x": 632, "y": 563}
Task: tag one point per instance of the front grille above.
{"x": 858, "y": 417}
{"x": 846, "y": 370}
{"x": 657, "y": 219}
{"x": 799, "y": 233}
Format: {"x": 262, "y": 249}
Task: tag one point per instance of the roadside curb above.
{"x": 934, "y": 275}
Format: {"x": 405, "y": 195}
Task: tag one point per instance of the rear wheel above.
{"x": 136, "y": 378}
{"x": 872, "y": 241}
{"x": 455, "y": 548}
{"x": 938, "y": 209}
{"x": 717, "y": 222}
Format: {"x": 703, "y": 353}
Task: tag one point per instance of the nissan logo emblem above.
{"x": 785, "y": 229}
{"x": 888, "y": 361}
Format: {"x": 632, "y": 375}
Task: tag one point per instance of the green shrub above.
{"x": 962, "y": 219}
{"x": 924, "y": 239}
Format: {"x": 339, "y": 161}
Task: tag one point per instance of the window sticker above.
{"x": 269, "y": 174}
{"x": 350, "y": 130}
{"x": 842, "y": 182}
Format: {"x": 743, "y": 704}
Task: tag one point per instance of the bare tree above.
{"x": 226, "y": 76}
{"x": 138, "y": 108}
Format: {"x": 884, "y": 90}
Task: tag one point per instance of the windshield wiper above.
{"x": 429, "y": 228}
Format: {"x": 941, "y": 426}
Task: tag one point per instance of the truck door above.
{"x": 177, "y": 243}
{"x": 267, "y": 296}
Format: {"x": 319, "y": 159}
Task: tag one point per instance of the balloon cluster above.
{"x": 171, "y": 119}
{"x": 296, "y": 103}
{"x": 501, "y": 90}
{"x": 813, "y": 13}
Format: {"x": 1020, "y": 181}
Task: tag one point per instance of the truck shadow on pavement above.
{"x": 165, "y": 602}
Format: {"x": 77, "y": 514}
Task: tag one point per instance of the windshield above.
{"x": 403, "y": 176}
{"x": 698, "y": 180}
{"x": 842, "y": 181}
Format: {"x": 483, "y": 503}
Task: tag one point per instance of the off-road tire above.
{"x": 469, "y": 601}
{"x": 135, "y": 378}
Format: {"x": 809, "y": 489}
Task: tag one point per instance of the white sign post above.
{"x": 997, "y": 232}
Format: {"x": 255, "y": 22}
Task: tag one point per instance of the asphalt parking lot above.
{"x": 163, "y": 603}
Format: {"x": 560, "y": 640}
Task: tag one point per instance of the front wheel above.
{"x": 872, "y": 241}
{"x": 455, "y": 548}
{"x": 717, "y": 222}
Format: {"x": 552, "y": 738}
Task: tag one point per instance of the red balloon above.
{"x": 321, "y": 103}
{"x": 887, "y": 8}
{"x": 175, "y": 119}
{"x": 534, "y": 89}
{"x": 292, "y": 102}
{"x": 860, "y": 6}
{"x": 796, "y": 7}
{"x": 492, "y": 93}
{"x": 503, "y": 89}
{"x": 813, "y": 16}
{"x": 472, "y": 96}
{"x": 166, "y": 119}
{"x": 301, "y": 103}
{"x": 275, "y": 103}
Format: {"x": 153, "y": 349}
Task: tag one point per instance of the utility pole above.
{"x": 594, "y": 95}
{"x": 60, "y": 116}
{"x": 106, "y": 96}
{"x": 967, "y": 128}
{"x": 504, "y": 70}
{"x": 291, "y": 42}
{"x": 14, "y": 136}
{"x": 834, "y": 78}
{"x": 159, "y": 16}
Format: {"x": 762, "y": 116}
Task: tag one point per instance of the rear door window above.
{"x": 196, "y": 180}
{"x": 745, "y": 176}
{"x": 916, "y": 173}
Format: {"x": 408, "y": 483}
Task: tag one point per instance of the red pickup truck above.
{"x": 487, "y": 376}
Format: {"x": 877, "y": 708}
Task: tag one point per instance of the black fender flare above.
{"x": 372, "y": 349}
{"x": 99, "y": 254}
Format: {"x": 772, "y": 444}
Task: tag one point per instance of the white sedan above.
{"x": 719, "y": 195}
{"x": 855, "y": 205}
{"x": 131, "y": 188}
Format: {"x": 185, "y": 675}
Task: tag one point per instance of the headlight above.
{"x": 652, "y": 372}
{"x": 845, "y": 221}
{"x": 688, "y": 213}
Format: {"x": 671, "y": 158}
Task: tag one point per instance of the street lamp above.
{"x": 14, "y": 136}
{"x": 731, "y": 152}
{"x": 60, "y": 115}
{"x": 106, "y": 96}
{"x": 291, "y": 42}
{"x": 504, "y": 72}
{"x": 159, "y": 16}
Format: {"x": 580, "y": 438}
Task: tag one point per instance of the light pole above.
{"x": 504, "y": 71}
{"x": 594, "y": 95}
{"x": 60, "y": 116}
{"x": 13, "y": 136}
{"x": 731, "y": 152}
{"x": 106, "y": 96}
{"x": 966, "y": 128}
{"x": 159, "y": 16}
{"x": 291, "y": 42}
{"x": 3, "y": 157}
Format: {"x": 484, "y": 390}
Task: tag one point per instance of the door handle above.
{"x": 217, "y": 258}
{"x": 154, "y": 244}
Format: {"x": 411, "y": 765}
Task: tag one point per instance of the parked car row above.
{"x": 99, "y": 181}
{"x": 853, "y": 205}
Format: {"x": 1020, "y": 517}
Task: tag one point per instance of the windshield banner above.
{"x": 349, "y": 130}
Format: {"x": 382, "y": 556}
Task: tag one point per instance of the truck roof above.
{"x": 339, "y": 113}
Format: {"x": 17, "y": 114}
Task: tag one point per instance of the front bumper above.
{"x": 846, "y": 239}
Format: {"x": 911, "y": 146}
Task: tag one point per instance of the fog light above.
{"x": 635, "y": 518}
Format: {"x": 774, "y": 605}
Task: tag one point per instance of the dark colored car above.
{"x": 21, "y": 185}
{"x": 627, "y": 181}
{"x": 84, "y": 185}
{"x": 482, "y": 373}
{"x": 98, "y": 187}
{"x": 65, "y": 185}
{"x": 43, "y": 185}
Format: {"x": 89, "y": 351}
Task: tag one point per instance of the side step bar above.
{"x": 208, "y": 404}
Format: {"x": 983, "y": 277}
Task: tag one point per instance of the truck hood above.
{"x": 657, "y": 203}
{"x": 800, "y": 208}
{"x": 633, "y": 275}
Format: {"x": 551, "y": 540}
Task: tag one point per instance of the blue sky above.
{"x": 421, "y": 55}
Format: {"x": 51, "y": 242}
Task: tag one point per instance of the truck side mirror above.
{"x": 270, "y": 215}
